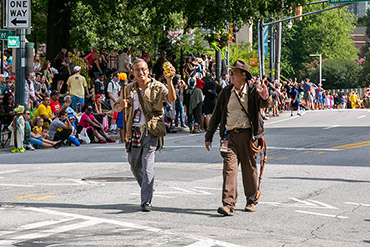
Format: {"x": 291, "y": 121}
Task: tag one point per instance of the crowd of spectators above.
{"x": 62, "y": 107}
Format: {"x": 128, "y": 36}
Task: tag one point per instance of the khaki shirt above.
{"x": 154, "y": 95}
{"x": 77, "y": 85}
{"x": 236, "y": 117}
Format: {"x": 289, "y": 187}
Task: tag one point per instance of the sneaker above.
{"x": 250, "y": 207}
{"x": 101, "y": 141}
{"x": 109, "y": 140}
{"x": 146, "y": 207}
{"x": 121, "y": 141}
{"x": 30, "y": 147}
{"x": 291, "y": 114}
{"x": 299, "y": 114}
{"x": 15, "y": 150}
{"x": 226, "y": 211}
{"x": 21, "y": 150}
{"x": 58, "y": 144}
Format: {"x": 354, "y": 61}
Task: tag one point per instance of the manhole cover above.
{"x": 110, "y": 179}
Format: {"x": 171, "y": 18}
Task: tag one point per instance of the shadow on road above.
{"x": 122, "y": 208}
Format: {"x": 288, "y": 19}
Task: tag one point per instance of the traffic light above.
{"x": 298, "y": 11}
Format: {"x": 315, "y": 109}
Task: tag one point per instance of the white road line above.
{"x": 330, "y": 127}
{"x": 362, "y": 116}
{"x": 207, "y": 188}
{"x": 17, "y": 185}
{"x": 325, "y": 215}
{"x": 10, "y": 171}
{"x": 2, "y": 233}
{"x": 358, "y": 204}
{"x": 282, "y": 120}
{"x": 324, "y": 205}
{"x": 66, "y": 228}
{"x": 206, "y": 242}
{"x": 95, "y": 220}
{"x": 201, "y": 243}
{"x": 90, "y": 218}
{"x": 43, "y": 223}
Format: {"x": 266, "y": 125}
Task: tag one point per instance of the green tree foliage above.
{"x": 327, "y": 33}
{"x": 145, "y": 23}
{"x": 338, "y": 73}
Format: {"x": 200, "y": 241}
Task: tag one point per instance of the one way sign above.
{"x": 18, "y": 14}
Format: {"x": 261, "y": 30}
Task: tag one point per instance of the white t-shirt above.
{"x": 114, "y": 88}
{"x": 135, "y": 107}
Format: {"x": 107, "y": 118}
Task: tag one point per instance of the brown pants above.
{"x": 239, "y": 151}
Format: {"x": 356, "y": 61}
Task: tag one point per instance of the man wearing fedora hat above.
{"x": 237, "y": 114}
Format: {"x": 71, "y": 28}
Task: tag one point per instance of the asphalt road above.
{"x": 315, "y": 191}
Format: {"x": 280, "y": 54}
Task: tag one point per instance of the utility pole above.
{"x": 272, "y": 49}
{"x": 278, "y": 49}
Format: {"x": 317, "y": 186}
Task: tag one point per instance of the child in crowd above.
{"x": 38, "y": 123}
{"x": 72, "y": 138}
{"x": 9, "y": 87}
{"x": 17, "y": 129}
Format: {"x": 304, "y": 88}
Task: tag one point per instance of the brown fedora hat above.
{"x": 240, "y": 64}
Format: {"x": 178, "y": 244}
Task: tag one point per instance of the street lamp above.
{"x": 290, "y": 24}
{"x": 320, "y": 71}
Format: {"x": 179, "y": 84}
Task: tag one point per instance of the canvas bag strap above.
{"x": 243, "y": 109}
{"x": 141, "y": 100}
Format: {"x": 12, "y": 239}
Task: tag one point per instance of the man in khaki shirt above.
{"x": 241, "y": 101}
{"x": 141, "y": 143}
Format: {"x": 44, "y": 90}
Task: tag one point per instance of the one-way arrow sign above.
{"x": 18, "y": 14}
{"x": 15, "y": 22}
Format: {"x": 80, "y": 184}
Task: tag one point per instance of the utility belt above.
{"x": 240, "y": 130}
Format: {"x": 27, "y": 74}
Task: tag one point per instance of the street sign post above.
{"x": 13, "y": 42}
{"x": 18, "y": 14}
{"x": 4, "y": 34}
{"x": 345, "y": 1}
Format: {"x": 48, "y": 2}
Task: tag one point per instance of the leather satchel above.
{"x": 154, "y": 123}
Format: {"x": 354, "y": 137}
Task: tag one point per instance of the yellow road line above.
{"x": 25, "y": 196}
{"x": 220, "y": 166}
{"x": 364, "y": 145}
{"x": 42, "y": 198}
{"x": 348, "y": 145}
{"x": 307, "y": 152}
{"x": 320, "y": 152}
{"x": 281, "y": 159}
{"x": 269, "y": 158}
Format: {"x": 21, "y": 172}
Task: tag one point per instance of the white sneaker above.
{"x": 30, "y": 147}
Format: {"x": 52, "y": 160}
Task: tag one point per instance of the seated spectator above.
{"x": 32, "y": 139}
{"x": 55, "y": 106}
{"x": 93, "y": 127}
{"x": 99, "y": 84}
{"x": 72, "y": 138}
{"x": 69, "y": 110}
{"x": 60, "y": 129}
{"x": 44, "y": 112}
{"x": 7, "y": 112}
{"x": 37, "y": 129}
{"x": 98, "y": 112}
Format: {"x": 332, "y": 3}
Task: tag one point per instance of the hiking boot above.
{"x": 250, "y": 207}
{"x": 146, "y": 207}
{"x": 226, "y": 211}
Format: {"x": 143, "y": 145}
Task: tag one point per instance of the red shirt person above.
{"x": 55, "y": 105}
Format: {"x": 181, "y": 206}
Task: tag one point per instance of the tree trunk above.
{"x": 59, "y": 17}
